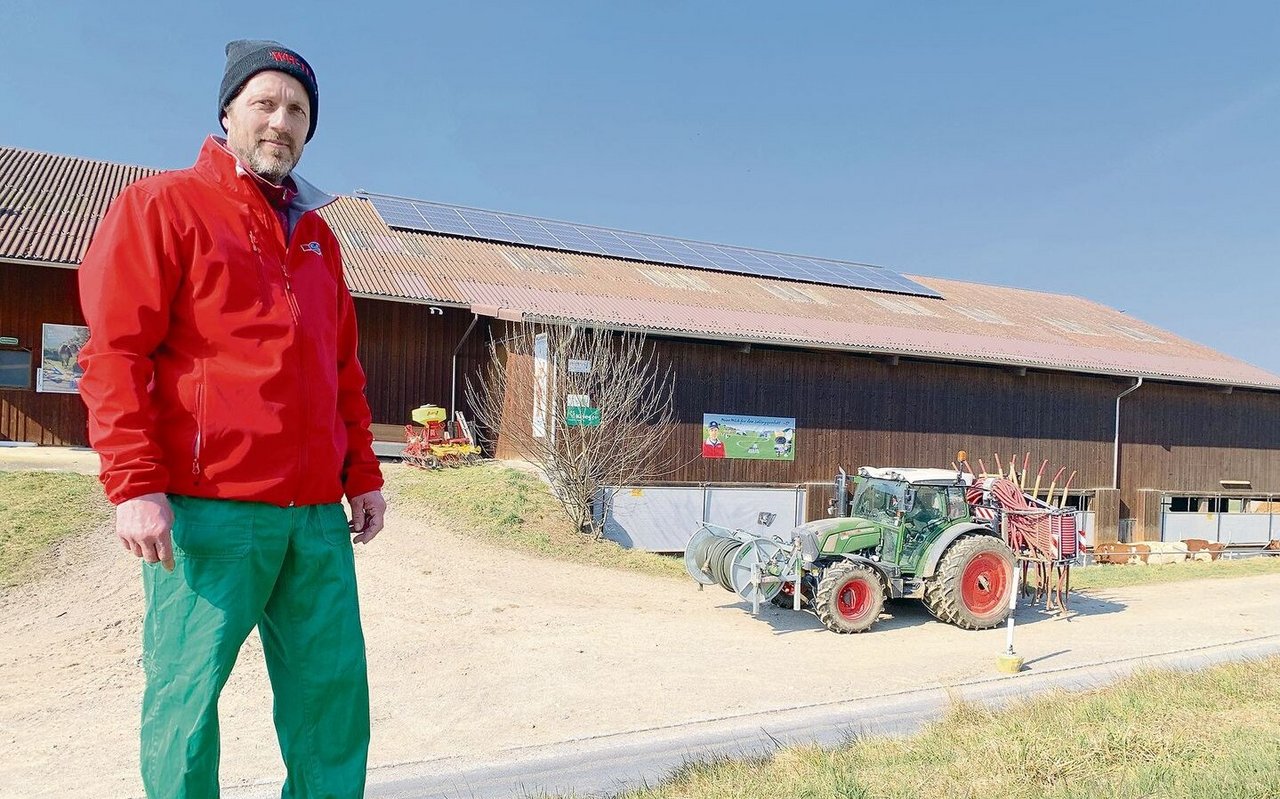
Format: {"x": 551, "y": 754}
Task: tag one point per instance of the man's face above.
{"x": 714, "y": 434}
{"x": 267, "y": 124}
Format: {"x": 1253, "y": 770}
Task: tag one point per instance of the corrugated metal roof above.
{"x": 1176, "y": 359}
{"x": 59, "y": 200}
{"x": 50, "y": 204}
{"x": 380, "y": 264}
{"x": 975, "y": 322}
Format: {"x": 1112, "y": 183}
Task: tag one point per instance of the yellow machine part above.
{"x": 429, "y": 413}
{"x": 456, "y": 450}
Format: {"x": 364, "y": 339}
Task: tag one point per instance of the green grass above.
{"x": 40, "y": 509}
{"x": 738, "y": 445}
{"x": 513, "y": 509}
{"x": 1157, "y": 735}
{"x": 1115, "y": 576}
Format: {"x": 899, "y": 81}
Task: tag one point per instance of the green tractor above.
{"x": 893, "y": 533}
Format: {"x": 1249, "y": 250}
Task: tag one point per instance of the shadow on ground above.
{"x": 904, "y": 613}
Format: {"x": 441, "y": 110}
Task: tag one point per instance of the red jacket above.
{"x": 222, "y": 360}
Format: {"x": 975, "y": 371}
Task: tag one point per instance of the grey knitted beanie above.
{"x": 248, "y": 57}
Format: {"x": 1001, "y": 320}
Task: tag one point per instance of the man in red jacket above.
{"x": 227, "y": 405}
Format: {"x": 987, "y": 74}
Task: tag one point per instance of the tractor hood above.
{"x": 839, "y": 535}
{"x": 839, "y": 524}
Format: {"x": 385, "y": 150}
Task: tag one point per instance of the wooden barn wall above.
{"x": 407, "y": 352}
{"x": 855, "y": 410}
{"x": 1188, "y": 438}
{"x": 852, "y": 411}
{"x": 31, "y": 296}
{"x": 517, "y": 411}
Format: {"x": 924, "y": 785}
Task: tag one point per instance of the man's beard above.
{"x": 273, "y": 169}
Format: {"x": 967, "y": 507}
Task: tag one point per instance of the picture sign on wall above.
{"x": 764, "y": 438}
{"x": 59, "y": 371}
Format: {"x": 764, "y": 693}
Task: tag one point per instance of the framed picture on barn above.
{"x": 60, "y": 371}
{"x": 758, "y": 438}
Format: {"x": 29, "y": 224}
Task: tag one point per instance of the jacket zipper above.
{"x": 195, "y": 448}
{"x": 288, "y": 293}
{"x": 295, "y": 311}
{"x": 263, "y": 283}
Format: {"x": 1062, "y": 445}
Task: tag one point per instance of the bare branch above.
{"x": 520, "y": 402}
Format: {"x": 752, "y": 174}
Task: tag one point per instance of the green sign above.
{"x": 9, "y": 341}
{"x": 578, "y": 416}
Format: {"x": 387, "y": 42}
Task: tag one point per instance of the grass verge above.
{"x": 40, "y": 509}
{"x": 1113, "y": 576}
{"x": 1159, "y": 734}
{"x": 510, "y": 508}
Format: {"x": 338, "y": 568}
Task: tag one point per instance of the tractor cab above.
{"x": 882, "y": 501}
{"x": 910, "y": 505}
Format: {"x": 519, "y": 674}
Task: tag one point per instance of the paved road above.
{"x": 608, "y": 764}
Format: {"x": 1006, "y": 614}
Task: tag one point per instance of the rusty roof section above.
{"x": 974, "y": 323}
{"x": 59, "y": 199}
{"x": 50, "y": 204}
{"x": 378, "y": 263}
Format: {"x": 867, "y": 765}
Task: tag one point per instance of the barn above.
{"x": 869, "y": 366}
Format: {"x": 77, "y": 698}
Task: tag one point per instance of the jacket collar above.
{"x": 220, "y": 165}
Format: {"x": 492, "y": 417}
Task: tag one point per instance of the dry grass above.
{"x": 505, "y": 506}
{"x": 1155, "y": 735}
{"x": 1112, "y": 576}
{"x": 510, "y": 508}
{"x": 39, "y": 510}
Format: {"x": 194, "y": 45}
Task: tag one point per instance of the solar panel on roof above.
{"x": 429, "y": 217}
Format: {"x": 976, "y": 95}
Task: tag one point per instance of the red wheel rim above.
{"x": 853, "y": 599}
{"x": 982, "y": 587}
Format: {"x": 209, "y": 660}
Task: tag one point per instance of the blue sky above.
{"x": 1125, "y": 152}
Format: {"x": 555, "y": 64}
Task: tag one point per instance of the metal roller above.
{"x": 696, "y": 554}
{"x": 721, "y": 561}
{"x": 759, "y": 554}
{"x": 715, "y": 559}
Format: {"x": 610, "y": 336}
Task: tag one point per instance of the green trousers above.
{"x": 290, "y": 572}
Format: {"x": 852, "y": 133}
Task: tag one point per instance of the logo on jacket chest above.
{"x": 312, "y": 246}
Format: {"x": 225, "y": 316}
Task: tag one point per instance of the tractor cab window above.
{"x": 879, "y": 500}
{"x": 930, "y": 505}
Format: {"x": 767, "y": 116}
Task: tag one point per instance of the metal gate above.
{"x": 661, "y": 518}
{"x": 1233, "y": 528}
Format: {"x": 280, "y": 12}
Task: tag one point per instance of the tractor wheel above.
{"x": 850, "y": 598}
{"x": 972, "y": 585}
{"x": 786, "y": 597}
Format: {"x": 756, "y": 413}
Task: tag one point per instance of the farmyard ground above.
{"x": 473, "y": 651}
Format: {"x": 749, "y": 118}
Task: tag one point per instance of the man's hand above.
{"x": 143, "y": 524}
{"x": 367, "y": 512}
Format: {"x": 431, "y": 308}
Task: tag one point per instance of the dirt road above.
{"x": 473, "y": 651}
